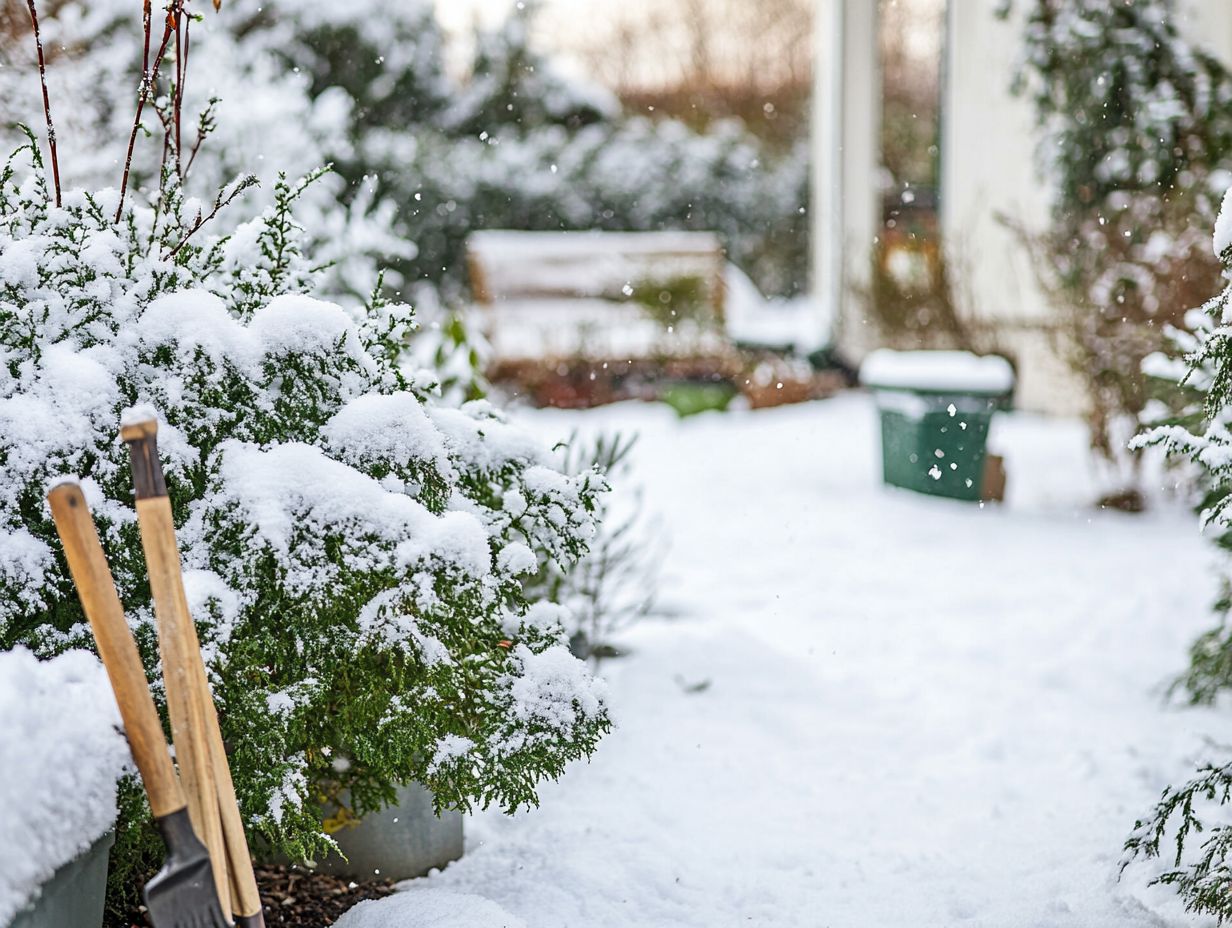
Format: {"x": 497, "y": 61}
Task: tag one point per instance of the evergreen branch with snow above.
{"x": 1201, "y": 880}
{"x": 1197, "y": 427}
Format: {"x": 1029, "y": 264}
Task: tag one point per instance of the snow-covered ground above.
{"x": 871, "y": 708}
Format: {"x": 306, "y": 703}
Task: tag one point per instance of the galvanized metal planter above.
{"x": 74, "y": 896}
{"x": 399, "y": 843}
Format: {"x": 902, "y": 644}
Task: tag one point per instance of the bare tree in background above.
{"x": 910, "y": 38}
{"x": 702, "y": 59}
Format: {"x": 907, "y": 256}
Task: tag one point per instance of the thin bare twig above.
{"x": 205, "y": 125}
{"x": 147, "y": 15}
{"x": 183, "y": 79}
{"x": 221, "y": 202}
{"x": 164, "y": 117}
{"x": 51, "y": 129}
{"x": 148, "y": 78}
{"x": 178, "y": 98}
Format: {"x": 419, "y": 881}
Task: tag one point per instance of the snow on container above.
{"x": 936, "y": 408}
{"x": 64, "y": 752}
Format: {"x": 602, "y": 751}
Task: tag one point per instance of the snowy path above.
{"x": 919, "y": 713}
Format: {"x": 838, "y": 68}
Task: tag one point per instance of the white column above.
{"x": 846, "y": 134}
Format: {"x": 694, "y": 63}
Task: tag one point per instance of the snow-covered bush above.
{"x": 421, "y": 159}
{"x": 1199, "y": 428}
{"x": 1125, "y": 101}
{"x": 1136, "y": 123}
{"x": 244, "y": 111}
{"x": 634, "y": 174}
{"x": 518, "y": 145}
{"x": 356, "y": 553}
{"x": 58, "y": 792}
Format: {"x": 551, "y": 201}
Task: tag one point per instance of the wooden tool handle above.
{"x": 166, "y": 583}
{"x": 96, "y": 589}
{"x": 245, "y": 896}
{"x": 187, "y": 704}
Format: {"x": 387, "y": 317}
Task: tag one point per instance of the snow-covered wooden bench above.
{"x": 598, "y": 295}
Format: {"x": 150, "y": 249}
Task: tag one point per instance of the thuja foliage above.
{"x": 357, "y": 553}
{"x": 1186, "y": 827}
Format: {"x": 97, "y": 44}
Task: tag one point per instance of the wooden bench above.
{"x": 598, "y": 295}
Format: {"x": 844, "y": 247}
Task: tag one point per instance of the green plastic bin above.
{"x": 934, "y": 437}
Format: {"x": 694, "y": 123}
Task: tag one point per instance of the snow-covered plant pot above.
{"x": 64, "y": 756}
{"x": 936, "y": 408}
{"x": 75, "y": 893}
{"x": 400, "y": 842}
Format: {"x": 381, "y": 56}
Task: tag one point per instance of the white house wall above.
{"x": 1208, "y": 23}
{"x": 988, "y": 183}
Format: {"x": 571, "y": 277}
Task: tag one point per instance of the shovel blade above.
{"x": 182, "y": 893}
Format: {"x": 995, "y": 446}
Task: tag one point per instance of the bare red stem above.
{"x": 180, "y": 39}
{"x": 51, "y": 129}
{"x": 148, "y": 79}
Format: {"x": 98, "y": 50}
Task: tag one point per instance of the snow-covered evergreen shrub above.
{"x": 513, "y": 86}
{"x": 1199, "y": 428}
{"x": 356, "y": 553}
{"x": 254, "y": 112}
{"x": 1125, "y": 101}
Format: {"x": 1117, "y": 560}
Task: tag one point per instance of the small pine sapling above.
{"x": 1186, "y": 825}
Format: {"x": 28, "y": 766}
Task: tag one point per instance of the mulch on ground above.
{"x": 298, "y": 898}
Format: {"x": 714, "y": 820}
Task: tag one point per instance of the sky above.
{"x": 459, "y": 17}
{"x": 564, "y": 24}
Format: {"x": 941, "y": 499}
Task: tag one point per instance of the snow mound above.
{"x": 59, "y": 720}
{"x": 937, "y": 370}
{"x": 284, "y": 488}
{"x": 386, "y": 427}
{"x": 429, "y": 908}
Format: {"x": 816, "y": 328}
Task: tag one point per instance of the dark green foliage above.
{"x": 1126, "y": 103}
{"x": 1201, "y": 881}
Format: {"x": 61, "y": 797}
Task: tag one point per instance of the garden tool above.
{"x": 182, "y": 893}
{"x": 185, "y": 675}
